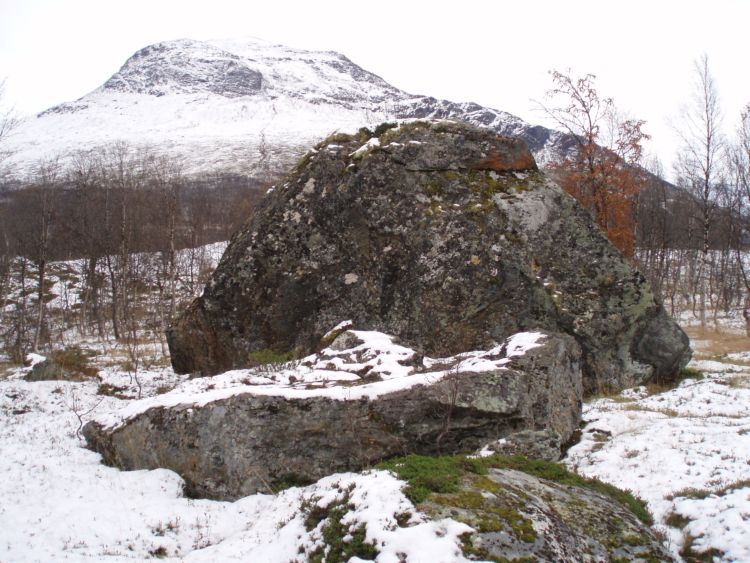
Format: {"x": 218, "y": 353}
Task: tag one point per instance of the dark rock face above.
{"x": 185, "y": 67}
{"x": 445, "y": 235}
{"x": 249, "y": 442}
{"x": 69, "y": 364}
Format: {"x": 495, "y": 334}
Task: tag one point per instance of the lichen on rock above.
{"x": 362, "y": 400}
{"x": 443, "y": 234}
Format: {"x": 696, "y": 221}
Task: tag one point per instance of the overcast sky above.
{"x": 495, "y": 53}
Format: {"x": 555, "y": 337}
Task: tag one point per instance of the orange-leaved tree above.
{"x": 602, "y": 171}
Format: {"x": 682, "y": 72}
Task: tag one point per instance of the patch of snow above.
{"x": 34, "y": 359}
{"x": 60, "y": 503}
{"x": 367, "y": 147}
{"x": 660, "y": 447}
{"x": 343, "y": 325}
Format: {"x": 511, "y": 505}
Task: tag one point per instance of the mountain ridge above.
{"x": 223, "y": 105}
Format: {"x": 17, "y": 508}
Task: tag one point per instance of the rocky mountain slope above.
{"x": 241, "y": 106}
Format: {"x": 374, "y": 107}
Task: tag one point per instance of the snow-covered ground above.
{"x": 686, "y": 451}
{"x": 59, "y": 503}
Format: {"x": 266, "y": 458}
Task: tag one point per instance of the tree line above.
{"x": 138, "y": 226}
{"x": 110, "y": 207}
{"x": 687, "y": 238}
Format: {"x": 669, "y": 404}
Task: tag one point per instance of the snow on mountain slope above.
{"x": 219, "y": 105}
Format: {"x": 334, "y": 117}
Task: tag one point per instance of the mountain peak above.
{"x": 185, "y": 66}
{"x": 223, "y": 104}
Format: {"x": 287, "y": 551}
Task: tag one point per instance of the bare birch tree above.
{"x": 698, "y": 166}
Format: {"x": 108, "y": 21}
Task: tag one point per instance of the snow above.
{"x": 367, "y": 147}
{"x": 663, "y": 446}
{"x": 374, "y": 366}
{"x": 304, "y": 96}
{"x": 686, "y": 451}
{"x": 61, "y": 504}
{"x": 34, "y": 359}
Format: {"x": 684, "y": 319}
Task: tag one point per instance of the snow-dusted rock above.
{"x": 443, "y": 234}
{"x": 534, "y": 444}
{"x": 345, "y": 410}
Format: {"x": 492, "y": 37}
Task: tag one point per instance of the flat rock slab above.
{"x": 253, "y": 442}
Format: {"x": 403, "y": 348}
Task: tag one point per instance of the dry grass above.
{"x": 671, "y": 413}
{"x": 710, "y": 344}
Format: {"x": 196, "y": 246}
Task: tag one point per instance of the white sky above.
{"x": 493, "y": 53}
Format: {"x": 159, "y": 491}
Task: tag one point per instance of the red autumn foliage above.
{"x": 603, "y": 173}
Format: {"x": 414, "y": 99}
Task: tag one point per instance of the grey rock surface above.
{"x": 160, "y": 70}
{"x": 533, "y": 444}
{"x": 46, "y": 371}
{"x": 443, "y": 234}
{"x": 250, "y": 443}
{"x": 521, "y": 517}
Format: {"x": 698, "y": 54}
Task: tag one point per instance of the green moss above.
{"x": 470, "y": 500}
{"x": 486, "y": 484}
{"x": 633, "y": 540}
{"x": 332, "y": 335}
{"x": 425, "y": 475}
{"x": 340, "y": 541}
{"x": 435, "y": 208}
{"x": 266, "y": 356}
{"x": 556, "y": 472}
{"x": 520, "y": 525}
{"x": 451, "y": 175}
{"x": 477, "y": 552}
{"x": 488, "y": 525}
{"x": 433, "y": 190}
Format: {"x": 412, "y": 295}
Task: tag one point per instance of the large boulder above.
{"x": 443, "y": 234}
{"x": 360, "y": 401}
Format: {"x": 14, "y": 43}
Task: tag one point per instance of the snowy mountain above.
{"x": 222, "y": 105}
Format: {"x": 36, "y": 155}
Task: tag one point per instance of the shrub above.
{"x": 74, "y": 361}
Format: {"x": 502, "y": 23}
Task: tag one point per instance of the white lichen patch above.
{"x": 309, "y": 187}
{"x": 292, "y": 215}
{"x": 351, "y": 278}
